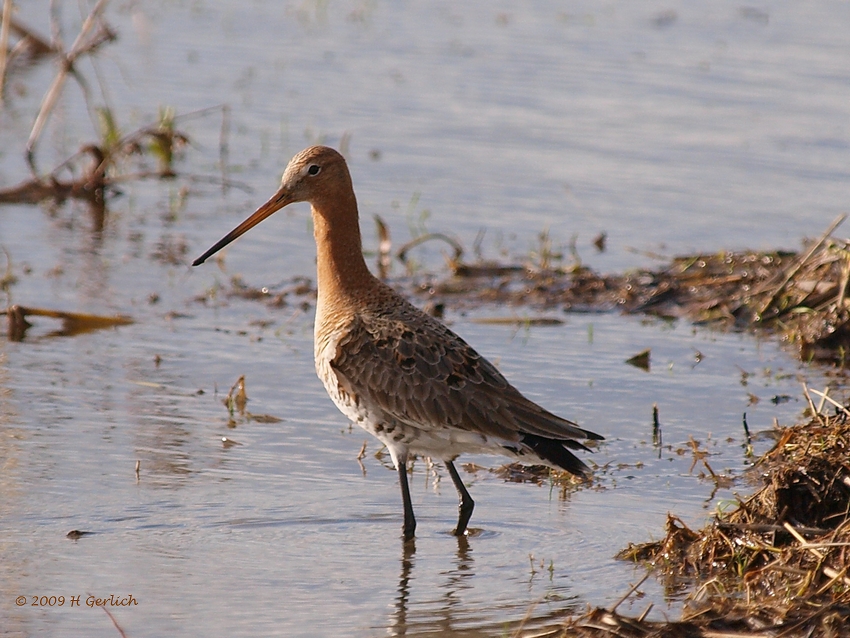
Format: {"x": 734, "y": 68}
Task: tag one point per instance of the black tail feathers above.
{"x": 556, "y": 452}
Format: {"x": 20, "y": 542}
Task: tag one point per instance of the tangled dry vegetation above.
{"x": 800, "y": 296}
{"x": 776, "y": 565}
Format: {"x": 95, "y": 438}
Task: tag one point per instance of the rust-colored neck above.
{"x": 340, "y": 264}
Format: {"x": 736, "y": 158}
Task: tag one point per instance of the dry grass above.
{"x": 776, "y": 565}
{"x": 801, "y": 297}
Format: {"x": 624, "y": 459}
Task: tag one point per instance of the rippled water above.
{"x": 672, "y": 128}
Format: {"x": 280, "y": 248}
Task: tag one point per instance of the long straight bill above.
{"x": 280, "y": 199}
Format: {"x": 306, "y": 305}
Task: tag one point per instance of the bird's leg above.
{"x": 409, "y": 520}
{"x": 465, "y": 504}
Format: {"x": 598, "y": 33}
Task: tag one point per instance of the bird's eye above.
{"x": 314, "y": 169}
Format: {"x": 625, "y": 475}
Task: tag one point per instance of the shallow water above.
{"x": 717, "y": 128}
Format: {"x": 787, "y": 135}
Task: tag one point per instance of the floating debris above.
{"x": 640, "y": 360}
{"x": 237, "y": 398}
{"x": 599, "y": 242}
{"x": 74, "y": 534}
{"x": 73, "y": 323}
{"x": 235, "y": 402}
{"x": 263, "y": 418}
{"x": 519, "y": 321}
{"x": 95, "y": 172}
{"x": 656, "y": 428}
{"x": 535, "y": 474}
{"x": 485, "y": 269}
{"x": 800, "y": 297}
{"x": 385, "y": 245}
{"x": 421, "y": 239}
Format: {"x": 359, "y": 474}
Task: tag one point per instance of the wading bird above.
{"x": 396, "y": 371}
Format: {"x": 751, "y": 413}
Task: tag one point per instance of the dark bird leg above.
{"x": 466, "y": 504}
{"x": 409, "y": 520}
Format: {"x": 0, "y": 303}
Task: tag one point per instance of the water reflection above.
{"x": 449, "y": 606}
{"x": 449, "y": 614}
{"x": 399, "y": 627}
{"x": 457, "y": 579}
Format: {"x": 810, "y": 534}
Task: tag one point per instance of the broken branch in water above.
{"x": 73, "y": 323}
{"x": 458, "y": 249}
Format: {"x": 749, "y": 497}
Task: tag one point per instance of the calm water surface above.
{"x": 673, "y": 127}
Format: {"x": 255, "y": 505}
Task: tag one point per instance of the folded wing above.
{"x": 419, "y": 372}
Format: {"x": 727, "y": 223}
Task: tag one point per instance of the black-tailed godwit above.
{"x": 396, "y": 371}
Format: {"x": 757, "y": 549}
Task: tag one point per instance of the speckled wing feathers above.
{"x": 417, "y": 371}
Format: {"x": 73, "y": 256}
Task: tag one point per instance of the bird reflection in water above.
{"x": 451, "y": 604}
{"x": 457, "y": 579}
